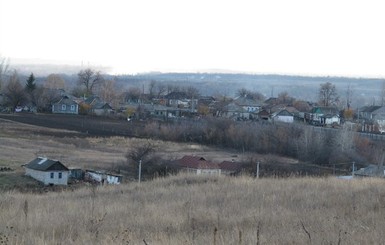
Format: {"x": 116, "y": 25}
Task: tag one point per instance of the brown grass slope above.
{"x": 21, "y": 143}
{"x": 198, "y": 210}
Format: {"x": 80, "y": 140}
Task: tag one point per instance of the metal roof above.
{"x": 45, "y": 164}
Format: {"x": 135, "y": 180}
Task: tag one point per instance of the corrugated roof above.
{"x": 230, "y": 166}
{"x": 45, "y": 164}
{"x": 196, "y": 162}
{"x": 66, "y": 101}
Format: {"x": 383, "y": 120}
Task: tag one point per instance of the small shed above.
{"x": 230, "y": 167}
{"x": 76, "y": 173}
{"x": 103, "y": 177}
{"x": 48, "y": 171}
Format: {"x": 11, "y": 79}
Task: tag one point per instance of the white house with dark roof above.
{"x": 50, "y": 172}
{"x": 282, "y": 116}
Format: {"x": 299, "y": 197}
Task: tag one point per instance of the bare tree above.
{"x": 160, "y": 89}
{"x": 349, "y": 95}
{"x": 151, "y": 88}
{"x": 250, "y": 94}
{"x": 173, "y": 88}
{"x": 242, "y": 92}
{"x": 43, "y": 98}
{"x": 133, "y": 95}
{"x": 55, "y": 81}
{"x": 284, "y": 98}
{"x": 192, "y": 92}
{"x": 383, "y": 94}
{"x": 327, "y": 94}
{"x": 14, "y": 92}
{"x": 140, "y": 151}
{"x": 89, "y": 78}
{"x": 4, "y": 66}
{"x": 107, "y": 91}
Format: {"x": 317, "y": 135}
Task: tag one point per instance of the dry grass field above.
{"x": 21, "y": 143}
{"x": 198, "y": 210}
{"x": 178, "y": 209}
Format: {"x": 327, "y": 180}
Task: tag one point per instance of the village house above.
{"x": 47, "y": 171}
{"x": 249, "y": 105}
{"x": 198, "y": 165}
{"x": 282, "y": 116}
{"x": 181, "y": 100}
{"x": 264, "y": 115}
{"x": 234, "y": 111}
{"x": 97, "y": 106}
{"x": 65, "y": 106}
{"x": 323, "y": 116}
{"x": 372, "y": 118}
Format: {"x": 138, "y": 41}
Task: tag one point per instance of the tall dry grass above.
{"x": 198, "y": 210}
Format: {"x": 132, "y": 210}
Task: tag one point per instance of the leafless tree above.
{"x": 327, "y": 94}
{"x": 242, "y": 92}
{"x": 133, "y": 95}
{"x": 140, "y": 151}
{"x": 250, "y": 94}
{"x": 89, "y": 78}
{"x": 43, "y": 98}
{"x": 192, "y": 92}
{"x": 285, "y": 98}
{"x": 4, "y": 66}
{"x": 302, "y": 105}
{"x": 349, "y": 95}
{"x": 14, "y": 91}
{"x": 55, "y": 81}
{"x": 107, "y": 91}
{"x": 161, "y": 89}
{"x": 173, "y": 88}
{"x": 151, "y": 87}
{"x": 383, "y": 94}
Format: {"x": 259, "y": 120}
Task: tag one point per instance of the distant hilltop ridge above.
{"x": 46, "y": 67}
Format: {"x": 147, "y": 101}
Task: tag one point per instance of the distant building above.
{"x": 103, "y": 177}
{"x": 230, "y": 167}
{"x": 97, "y": 106}
{"x": 65, "y": 106}
{"x": 47, "y": 171}
{"x": 198, "y": 165}
{"x": 282, "y": 116}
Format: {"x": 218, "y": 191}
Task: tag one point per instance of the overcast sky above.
{"x": 305, "y": 37}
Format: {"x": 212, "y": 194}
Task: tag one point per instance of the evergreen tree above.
{"x": 30, "y": 85}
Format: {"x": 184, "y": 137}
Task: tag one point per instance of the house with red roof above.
{"x": 230, "y": 167}
{"x": 198, "y": 165}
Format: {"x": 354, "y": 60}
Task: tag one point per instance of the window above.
{"x": 72, "y": 107}
{"x": 63, "y": 107}
{"x": 60, "y": 175}
{"x": 52, "y": 174}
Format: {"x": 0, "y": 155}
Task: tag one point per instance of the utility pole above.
{"x": 140, "y": 169}
{"x": 257, "y": 170}
{"x": 353, "y": 170}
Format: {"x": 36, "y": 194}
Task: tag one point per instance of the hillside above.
{"x": 198, "y": 210}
